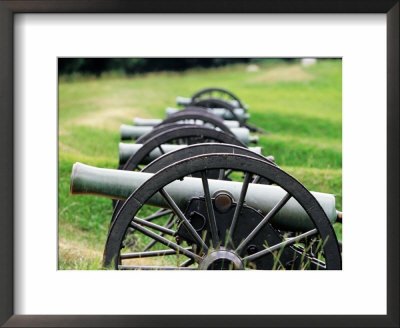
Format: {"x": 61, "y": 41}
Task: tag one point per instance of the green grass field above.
{"x": 300, "y": 107}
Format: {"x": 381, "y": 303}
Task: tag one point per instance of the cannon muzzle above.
{"x": 129, "y": 132}
{"x": 117, "y": 184}
{"x": 126, "y": 150}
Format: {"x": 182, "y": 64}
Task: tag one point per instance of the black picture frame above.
{"x": 7, "y": 198}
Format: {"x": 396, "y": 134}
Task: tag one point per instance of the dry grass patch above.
{"x": 75, "y": 250}
{"x": 73, "y": 255}
{"x": 293, "y": 73}
{"x": 154, "y": 261}
{"x": 107, "y": 119}
{"x": 62, "y": 147}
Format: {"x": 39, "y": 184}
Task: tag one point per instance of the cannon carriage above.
{"x": 193, "y": 196}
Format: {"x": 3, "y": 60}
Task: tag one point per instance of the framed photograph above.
{"x": 318, "y": 90}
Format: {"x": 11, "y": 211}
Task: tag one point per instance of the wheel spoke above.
{"x": 161, "y": 212}
{"x": 165, "y": 241}
{"x": 263, "y": 222}
{"x": 256, "y": 179}
{"x": 239, "y": 205}
{"x": 210, "y": 210}
{"x": 185, "y": 221}
{"x": 227, "y": 172}
{"x": 187, "y": 263}
{"x": 163, "y": 252}
{"x": 168, "y": 225}
{"x": 161, "y": 150}
{"x": 285, "y": 243}
{"x": 299, "y": 251}
{"x": 221, "y": 174}
{"x": 154, "y": 226}
{"x": 139, "y": 267}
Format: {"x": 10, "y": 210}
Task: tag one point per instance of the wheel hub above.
{"x": 221, "y": 259}
{"x": 224, "y": 257}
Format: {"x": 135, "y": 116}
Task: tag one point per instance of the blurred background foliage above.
{"x": 130, "y": 66}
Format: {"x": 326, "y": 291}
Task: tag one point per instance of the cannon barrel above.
{"x": 129, "y": 132}
{"x": 119, "y": 184}
{"x": 126, "y": 150}
{"x": 183, "y": 101}
{"x": 221, "y": 112}
{"x": 138, "y": 121}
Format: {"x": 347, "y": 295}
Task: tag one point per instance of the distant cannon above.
{"x": 195, "y": 115}
{"x": 175, "y": 134}
{"x": 138, "y": 121}
{"x": 221, "y": 102}
{"x": 126, "y": 150}
{"x": 240, "y": 113}
{"x": 211, "y": 93}
{"x": 129, "y": 132}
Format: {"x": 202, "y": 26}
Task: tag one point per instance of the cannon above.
{"x": 227, "y": 113}
{"x": 192, "y": 115}
{"x": 238, "y": 114}
{"x": 205, "y": 99}
{"x": 173, "y": 133}
{"x": 116, "y": 184}
{"x": 129, "y": 132}
{"x": 180, "y": 133}
{"x": 212, "y": 93}
{"x": 126, "y": 150}
{"x": 138, "y": 121}
{"x": 238, "y": 224}
{"x": 163, "y": 158}
{"x": 222, "y": 103}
